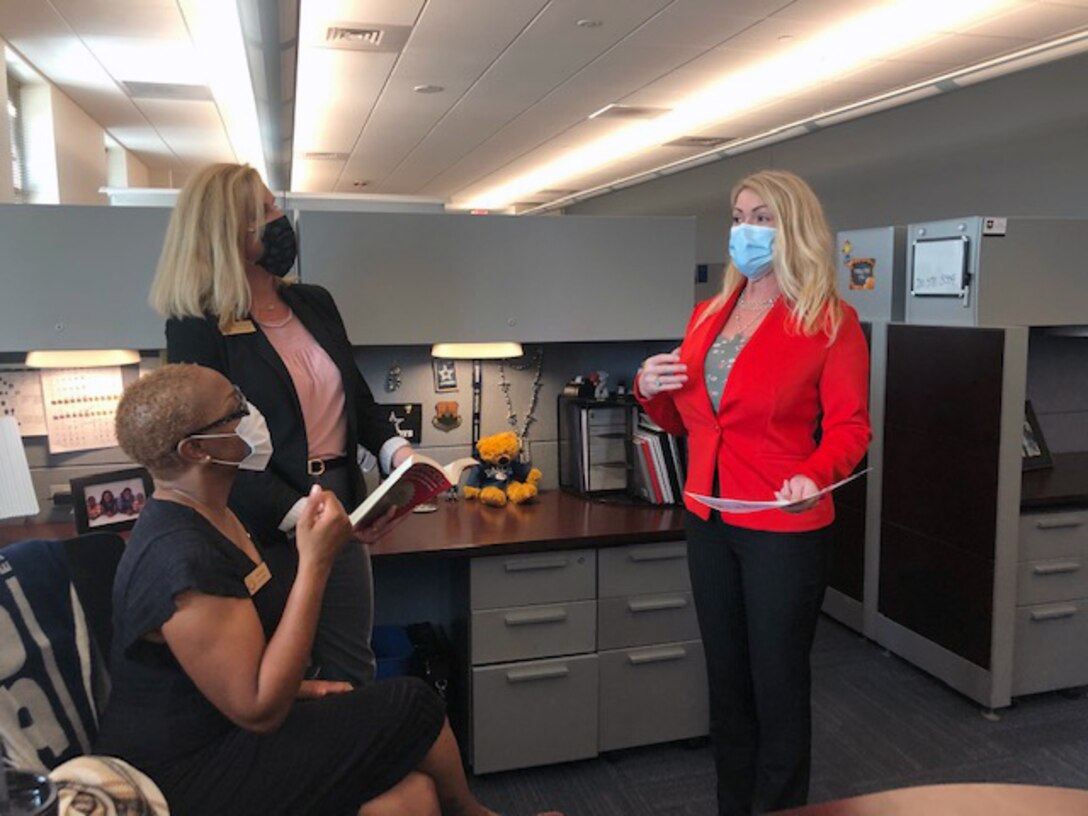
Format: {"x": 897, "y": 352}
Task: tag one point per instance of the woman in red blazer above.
{"x": 770, "y": 384}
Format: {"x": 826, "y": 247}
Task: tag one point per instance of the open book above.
{"x": 746, "y": 506}
{"x": 417, "y": 479}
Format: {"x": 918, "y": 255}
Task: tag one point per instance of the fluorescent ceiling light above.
{"x": 158, "y": 60}
{"x": 84, "y": 358}
{"x": 216, "y": 33}
{"x": 476, "y": 351}
{"x": 848, "y": 46}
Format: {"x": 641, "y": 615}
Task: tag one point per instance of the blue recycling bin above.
{"x": 393, "y": 651}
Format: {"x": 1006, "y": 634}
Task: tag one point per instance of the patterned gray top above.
{"x": 719, "y": 362}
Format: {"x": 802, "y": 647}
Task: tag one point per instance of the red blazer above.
{"x": 784, "y": 390}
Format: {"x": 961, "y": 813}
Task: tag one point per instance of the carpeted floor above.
{"x": 879, "y": 723}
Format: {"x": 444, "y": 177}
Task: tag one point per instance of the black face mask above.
{"x": 280, "y": 247}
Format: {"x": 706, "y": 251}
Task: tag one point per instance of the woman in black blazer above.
{"x": 220, "y": 283}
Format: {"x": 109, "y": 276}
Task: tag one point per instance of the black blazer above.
{"x": 251, "y": 362}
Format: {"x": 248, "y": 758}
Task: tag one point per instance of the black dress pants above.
{"x": 758, "y": 595}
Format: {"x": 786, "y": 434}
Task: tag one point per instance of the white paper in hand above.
{"x": 747, "y": 506}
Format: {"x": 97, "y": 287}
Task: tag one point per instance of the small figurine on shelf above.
{"x": 600, "y": 390}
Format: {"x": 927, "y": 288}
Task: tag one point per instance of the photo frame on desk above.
{"x": 110, "y": 501}
{"x": 1033, "y": 450}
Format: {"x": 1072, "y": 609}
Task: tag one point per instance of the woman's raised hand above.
{"x": 323, "y": 528}
{"x": 662, "y": 372}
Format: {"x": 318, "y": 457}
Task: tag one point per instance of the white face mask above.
{"x": 253, "y": 430}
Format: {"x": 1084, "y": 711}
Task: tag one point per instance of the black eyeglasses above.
{"x": 236, "y": 414}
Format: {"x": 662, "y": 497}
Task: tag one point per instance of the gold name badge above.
{"x": 258, "y": 578}
{"x": 240, "y": 327}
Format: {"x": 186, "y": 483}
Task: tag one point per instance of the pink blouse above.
{"x": 318, "y": 383}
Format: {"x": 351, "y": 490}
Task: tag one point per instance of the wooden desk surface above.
{"x": 556, "y": 520}
{"x": 956, "y": 800}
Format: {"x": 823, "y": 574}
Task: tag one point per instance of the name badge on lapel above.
{"x": 240, "y": 327}
{"x": 258, "y": 578}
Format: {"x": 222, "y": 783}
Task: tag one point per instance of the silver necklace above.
{"x": 756, "y": 313}
{"x": 530, "y": 418}
{"x": 742, "y": 303}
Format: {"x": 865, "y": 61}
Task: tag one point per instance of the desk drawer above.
{"x": 515, "y": 580}
{"x": 1056, "y": 579}
{"x": 644, "y": 619}
{"x": 1051, "y": 647}
{"x": 523, "y": 632}
{"x": 1053, "y": 535}
{"x": 534, "y": 713}
{"x": 643, "y": 569}
{"x": 651, "y": 695}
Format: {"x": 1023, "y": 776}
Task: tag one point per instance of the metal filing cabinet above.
{"x": 1051, "y": 645}
{"x": 652, "y": 670}
{"x": 533, "y": 642}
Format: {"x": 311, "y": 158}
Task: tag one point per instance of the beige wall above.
{"x": 80, "y": 145}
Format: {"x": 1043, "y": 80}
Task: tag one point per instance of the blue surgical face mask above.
{"x": 752, "y": 249}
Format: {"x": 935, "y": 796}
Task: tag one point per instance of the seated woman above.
{"x": 210, "y": 647}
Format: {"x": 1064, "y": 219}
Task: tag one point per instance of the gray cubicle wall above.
{"x": 413, "y": 278}
{"x": 871, "y": 264}
{"x": 78, "y": 277}
{"x": 1020, "y": 272}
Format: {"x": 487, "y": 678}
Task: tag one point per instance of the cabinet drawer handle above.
{"x": 539, "y": 673}
{"x": 1060, "y": 524}
{"x": 657, "y": 655}
{"x": 531, "y": 616}
{"x": 1054, "y": 613}
{"x": 659, "y": 553}
{"x": 1055, "y": 569}
{"x": 656, "y": 604}
{"x": 526, "y": 564}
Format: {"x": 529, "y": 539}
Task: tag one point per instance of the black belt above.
{"x": 315, "y": 467}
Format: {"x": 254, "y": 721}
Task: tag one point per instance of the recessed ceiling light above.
{"x": 428, "y": 89}
{"x": 589, "y": 23}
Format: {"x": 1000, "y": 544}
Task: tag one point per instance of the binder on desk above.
{"x": 666, "y": 455}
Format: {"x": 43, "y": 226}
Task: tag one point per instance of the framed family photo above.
{"x": 110, "y": 501}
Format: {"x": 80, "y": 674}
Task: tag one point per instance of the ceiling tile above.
{"x": 192, "y": 129}
{"x": 1038, "y": 21}
{"x": 158, "y": 19}
{"x": 316, "y": 15}
{"x": 336, "y": 90}
{"x": 824, "y": 12}
{"x": 961, "y": 49}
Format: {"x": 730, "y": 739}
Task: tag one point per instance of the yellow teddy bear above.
{"x": 501, "y": 477}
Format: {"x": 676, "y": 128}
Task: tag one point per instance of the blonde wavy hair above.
{"x": 804, "y": 254}
{"x": 202, "y": 266}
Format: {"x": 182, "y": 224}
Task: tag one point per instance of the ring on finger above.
{"x": 657, "y": 381}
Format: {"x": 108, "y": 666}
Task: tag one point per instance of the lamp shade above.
{"x": 83, "y": 358}
{"x": 476, "y": 351}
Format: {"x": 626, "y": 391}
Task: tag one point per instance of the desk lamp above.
{"x": 477, "y": 352}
